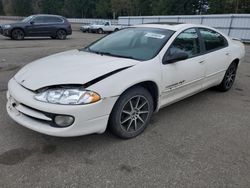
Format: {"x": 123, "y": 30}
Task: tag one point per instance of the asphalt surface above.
{"x": 202, "y": 141}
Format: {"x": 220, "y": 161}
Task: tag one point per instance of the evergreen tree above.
{"x": 1, "y": 8}
{"x": 110, "y": 8}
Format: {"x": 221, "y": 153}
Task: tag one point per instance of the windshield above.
{"x": 28, "y": 19}
{"x": 135, "y": 43}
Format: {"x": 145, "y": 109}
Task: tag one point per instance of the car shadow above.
{"x": 35, "y": 38}
{"x": 87, "y": 148}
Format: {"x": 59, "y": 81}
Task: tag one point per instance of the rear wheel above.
{"x": 229, "y": 78}
{"x": 100, "y": 31}
{"x": 61, "y": 34}
{"x": 17, "y": 34}
{"x": 132, "y": 113}
{"x": 116, "y": 30}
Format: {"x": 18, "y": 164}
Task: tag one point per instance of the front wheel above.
{"x": 17, "y": 34}
{"x": 229, "y": 78}
{"x": 132, "y": 113}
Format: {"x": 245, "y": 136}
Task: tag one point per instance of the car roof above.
{"x": 47, "y": 15}
{"x": 170, "y": 26}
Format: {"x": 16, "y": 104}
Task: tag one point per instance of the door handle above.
{"x": 201, "y": 62}
{"x": 228, "y": 54}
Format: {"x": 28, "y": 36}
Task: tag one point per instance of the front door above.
{"x": 39, "y": 27}
{"x": 183, "y": 78}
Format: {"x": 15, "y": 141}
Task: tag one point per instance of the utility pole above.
{"x": 201, "y": 3}
{"x": 237, "y": 6}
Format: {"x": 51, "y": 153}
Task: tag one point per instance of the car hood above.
{"x": 71, "y": 67}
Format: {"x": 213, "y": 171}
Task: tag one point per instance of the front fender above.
{"x": 116, "y": 84}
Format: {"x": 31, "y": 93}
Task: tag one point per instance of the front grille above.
{"x": 31, "y": 112}
{"x": 42, "y": 117}
{"x": 49, "y": 115}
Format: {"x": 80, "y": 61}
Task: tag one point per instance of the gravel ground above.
{"x": 202, "y": 141}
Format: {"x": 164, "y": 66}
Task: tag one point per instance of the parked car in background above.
{"x": 79, "y": 92}
{"x": 85, "y": 28}
{"x": 44, "y": 25}
{"x": 104, "y": 27}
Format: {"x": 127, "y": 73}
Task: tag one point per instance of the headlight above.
{"x": 68, "y": 96}
{"x": 7, "y": 26}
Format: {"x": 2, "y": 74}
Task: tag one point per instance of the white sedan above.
{"x": 119, "y": 81}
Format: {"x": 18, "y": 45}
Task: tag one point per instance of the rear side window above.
{"x": 51, "y": 19}
{"x": 212, "y": 39}
{"x": 188, "y": 42}
{"x": 39, "y": 19}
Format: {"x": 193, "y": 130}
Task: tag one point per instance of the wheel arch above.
{"x": 237, "y": 61}
{"x": 61, "y": 29}
{"x": 153, "y": 89}
{"x": 20, "y": 29}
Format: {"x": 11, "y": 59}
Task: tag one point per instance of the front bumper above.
{"x": 30, "y": 113}
{"x": 5, "y": 32}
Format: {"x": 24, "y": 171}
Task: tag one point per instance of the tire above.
{"x": 131, "y": 113}
{"x": 100, "y": 31}
{"x": 17, "y": 34}
{"x": 61, "y": 34}
{"x": 229, "y": 78}
{"x": 116, "y": 30}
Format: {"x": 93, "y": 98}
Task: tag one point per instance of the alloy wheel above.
{"x": 134, "y": 114}
{"x": 61, "y": 34}
{"x": 230, "y": 76}
{"x": 17, "y": 34}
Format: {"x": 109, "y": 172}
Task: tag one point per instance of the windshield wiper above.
{"x": 110, "y": 54}
{"x": 117, "y": 55}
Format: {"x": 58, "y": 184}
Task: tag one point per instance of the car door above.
{"x": 217, "y": 55}
{"x": 183, "y": 78}
{"x": 54, "y": 23}
{"x": 107, "y": 27}
{"x": 39, "y": 27}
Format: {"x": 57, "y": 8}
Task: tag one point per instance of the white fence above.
{"x": 88, "y": 21}
{"x": 234, "y": 25}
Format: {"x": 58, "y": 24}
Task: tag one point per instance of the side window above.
{"x": 38, "y": 20}
{"x": 188, "y": 42}
{"x": 53, "y": 20}
{"x": 212, "y": 39}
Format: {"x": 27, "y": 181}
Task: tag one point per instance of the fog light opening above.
{"x": 63, "y": 121}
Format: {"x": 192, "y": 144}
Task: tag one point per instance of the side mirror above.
{"x": 178, "y": 56}
{"x": 32, "y": 22}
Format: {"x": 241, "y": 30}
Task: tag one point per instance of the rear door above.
{"x": 183, "y": 78}
{"x": 217, "y": 55}
{"x": 54, "y": 23}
